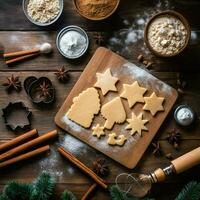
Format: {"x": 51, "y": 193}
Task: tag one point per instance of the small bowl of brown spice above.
{"x": 167, "y": 33}
{"x": 96, "y": 9}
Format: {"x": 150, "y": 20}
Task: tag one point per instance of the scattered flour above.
{"x": 124, "y": 40}
{"x": 146, "y": 78}
{"x": 74, "y": 145}
{"x": 75, "y": 127}
{"x": 50, "y": 164}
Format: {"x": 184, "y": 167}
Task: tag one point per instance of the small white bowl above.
{"x": 72, "y": 28}
{"x": 24, "y": 5}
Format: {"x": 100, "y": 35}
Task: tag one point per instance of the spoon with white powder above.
{"x": 45, "y": 48}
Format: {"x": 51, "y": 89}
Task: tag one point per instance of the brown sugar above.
{"x": 96, "y": 8}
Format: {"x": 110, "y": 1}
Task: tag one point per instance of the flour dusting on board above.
{"x": 51, "y": 164}
{"x": 143, "y": 77}
{"x": 72, "y": 125}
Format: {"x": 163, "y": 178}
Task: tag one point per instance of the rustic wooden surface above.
{"x": 102, "y": 60}
{"x": 17, "y": 33}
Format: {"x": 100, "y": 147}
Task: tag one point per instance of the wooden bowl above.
{"x": 95, "y": 18}
{"x": 176, "y": 15}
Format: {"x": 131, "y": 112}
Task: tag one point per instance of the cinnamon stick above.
{"x": 89, "y": 191}
{"x": 28, "y": 145}
{"x": 21, "y": 53}
{"x": 25, "y": 156}
{"x": 8, "y": 62}
{"x": 17, "y": 140}
{"x": 81, "y": 166}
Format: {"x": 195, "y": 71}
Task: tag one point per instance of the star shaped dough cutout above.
{"x": 106, "y": 81}
{"x": 153, "y": 103}
{"x": 136, "y": 124}
{"x": 98, "y": 130}
{"x": 133, "y": 93}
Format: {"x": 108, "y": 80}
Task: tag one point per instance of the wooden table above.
{"x": 17, "y": 33}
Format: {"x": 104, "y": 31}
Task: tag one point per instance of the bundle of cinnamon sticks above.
{"x": 14, "y": 150}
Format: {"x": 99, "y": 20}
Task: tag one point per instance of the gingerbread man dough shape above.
{"x": 136, "y": 124}
{"x": 106, "y": 82}
{"x": 153, "y": 103}
{"x": 133, "y": 93}
{"x": 114, "y": 140}
{"x": 84, "y": 107}
{"x": 113, "y": 112}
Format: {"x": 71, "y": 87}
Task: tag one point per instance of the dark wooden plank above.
{"x": 17, "y": 21}
{"x": 22, "y": 40}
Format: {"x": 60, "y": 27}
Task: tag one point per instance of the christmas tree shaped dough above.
{"x": 113, "y": 112}
{"x": 153, "y": 103}
{"x": 133, "y": 93}
{"x": 106, "y": 82}
{"x": 98, "y": 131}
{"x": 136, "y": 124}
{"x": 84, "y": 107}
{"x": 114, "y": 140}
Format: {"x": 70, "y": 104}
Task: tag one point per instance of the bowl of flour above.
{"x": 42, "y": 12}
{"x": 167, "y": 34}
{"x": 72, "y": 42}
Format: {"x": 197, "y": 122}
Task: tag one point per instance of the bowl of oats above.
{"x": 167, "y": 33}
{"x": 42, "y": 12}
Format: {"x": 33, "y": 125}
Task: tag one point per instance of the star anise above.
{"x": 174, "y": 138}
{"x": 100, "y": 167}
{"x": 62, "y": 74}
{"x": 13, "y": 83}
{"x": 44, "y": 89}
{"x": 99, "y": 38}
{"x": 157, "y": 148}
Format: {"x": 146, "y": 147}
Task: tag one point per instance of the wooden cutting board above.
{"x": 129, "y": 154}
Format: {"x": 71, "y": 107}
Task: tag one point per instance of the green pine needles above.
{"x": 67, "y": 195}
{"x": 43, "y": 189}
{"x": 190, "y": 192}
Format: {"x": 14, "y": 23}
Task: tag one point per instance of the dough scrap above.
{"x": 98, "y": 131}
{"x": 106, "y": 82}
{"x": 114, "y": 140}
{"x": 113, "y": 112}
{"x": 84, "y": 107}
{"x": 136, "y": 124}
{"x": 133, "y": 93}
{"x": 153, "y": 103}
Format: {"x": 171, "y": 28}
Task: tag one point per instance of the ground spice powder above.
{"x": 96, "y": 8}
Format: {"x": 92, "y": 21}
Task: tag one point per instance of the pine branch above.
{"x": 190, "y": 192}
{"x": 117, "y": 194}
{"x": 67, "y": 195}
{"x": 3, "y": 197}
{"x": 43, "y": 187}
{"x": 14, "y": 190}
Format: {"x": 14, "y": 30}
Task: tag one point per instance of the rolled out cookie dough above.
{"x": 106, "y": 82}
{"x": 98, "y": 131}
{"x": 113, "y": 112}
{"x": 137, "y": 124}
{"x": 84, "y": 107}
{"x": 153, "y": 104}
{"x": 133, "y": 93}
{"x": 114, "y": 140}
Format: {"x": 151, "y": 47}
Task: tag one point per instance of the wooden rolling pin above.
{"x": 25, "y": 156}
{"x": 178, "y": 165}
{"x": 19, "y": 139}
{"x": 27, "y": 145}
